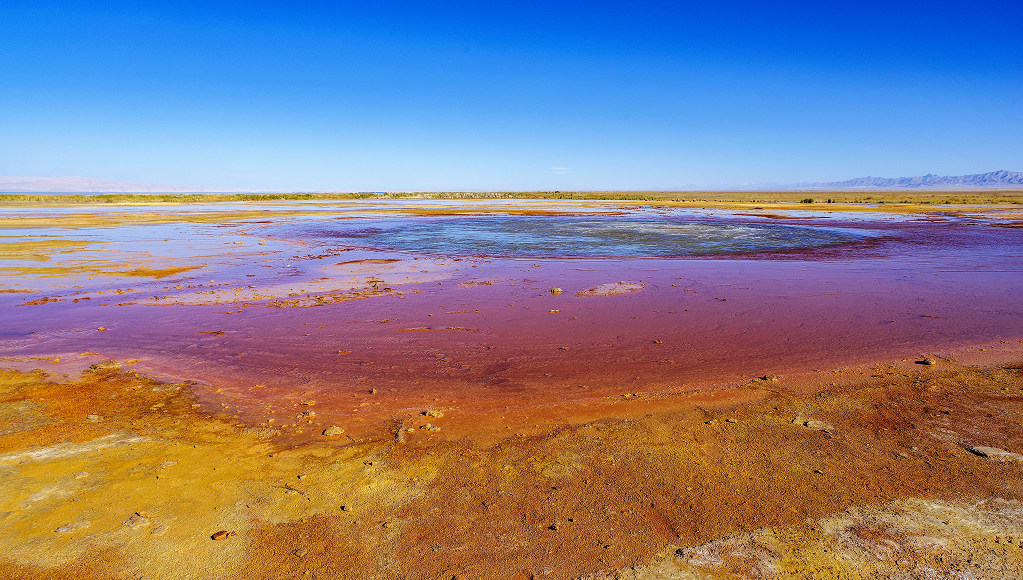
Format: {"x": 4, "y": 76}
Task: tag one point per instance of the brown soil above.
{"x": 765, "y": 481}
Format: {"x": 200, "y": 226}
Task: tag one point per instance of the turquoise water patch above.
{"x": 568, "y": 236}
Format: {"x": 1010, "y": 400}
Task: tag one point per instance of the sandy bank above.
{"x": 114, "y": 475}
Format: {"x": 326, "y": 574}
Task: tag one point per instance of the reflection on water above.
{"x": 579, "y": 236}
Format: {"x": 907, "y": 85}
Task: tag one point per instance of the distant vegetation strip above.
{"x": 871, "y": 197}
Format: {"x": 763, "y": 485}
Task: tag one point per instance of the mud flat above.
{"x": 272, "y": 392}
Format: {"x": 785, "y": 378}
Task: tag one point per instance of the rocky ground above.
{"x": 910, "y": 472}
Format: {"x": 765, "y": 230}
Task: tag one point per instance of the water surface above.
{"x": 377, "y": 311}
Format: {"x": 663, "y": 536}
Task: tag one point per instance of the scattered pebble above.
{"x": 995, "y": 453}
{"x": 73, "y": 526}
{"x": 333, "y": 431}
{"x": 221, "y": 535}
{"x": 136, "y": 521}
{"x": 106, "y": 365}
{"x": 818, "y": 425}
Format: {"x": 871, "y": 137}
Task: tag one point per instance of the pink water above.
{"x": 912, "y": 288}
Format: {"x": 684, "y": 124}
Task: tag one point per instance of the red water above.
{"x": 922, "y": 287}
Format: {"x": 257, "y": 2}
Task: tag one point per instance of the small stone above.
{"x": 818, "y": 425}
{"x": 556, "y": 290}
{"x": 769, "y": 378}
{"x": 308, "y": 403}
{"x": 927, "y": 362}
{"x": 302, "y": 476}
{"x": 167, "y": 464}
{"x": 658, "y": 342}
{"x": 333, "y": 431}
{"x": 300, "y": 552}
{"x": 430, "y": 427}
{"x": 106, "y": 365}
{"x": 81, "y": 474}
{"x": 136, "y": 521}
{"x": 436, "y": 414}
{"x": 730, "y": 420}
{"x": 221, "y": 535}
{"x": 102, "y": 328}
{"x": 73, "y": 526}
{"x": 94, "y": 418}
{"x": 995, "y": 454}
{"x": 158, "y": 531}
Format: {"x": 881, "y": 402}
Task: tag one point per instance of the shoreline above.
{"x": 516, "y": 416}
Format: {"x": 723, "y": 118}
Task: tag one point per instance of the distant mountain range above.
{"x": 90, "y": 185}
{"x": 992, "y": 179}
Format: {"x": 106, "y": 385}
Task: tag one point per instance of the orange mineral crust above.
{"x": 911, "y": 472}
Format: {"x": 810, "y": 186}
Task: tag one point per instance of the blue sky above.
{"x": 354, "y": 96}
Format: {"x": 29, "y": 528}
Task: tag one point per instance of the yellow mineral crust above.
{"x": 115, "y": 475}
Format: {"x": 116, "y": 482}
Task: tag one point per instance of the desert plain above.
{"x": 655, "y": 387}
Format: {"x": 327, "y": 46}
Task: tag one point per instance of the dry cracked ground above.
{"x": 909, "y": 473}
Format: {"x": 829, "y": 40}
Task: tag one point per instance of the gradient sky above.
{"x": 356, "y": 96}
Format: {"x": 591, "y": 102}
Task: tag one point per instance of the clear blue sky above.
{"x": 518, "y": 95}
